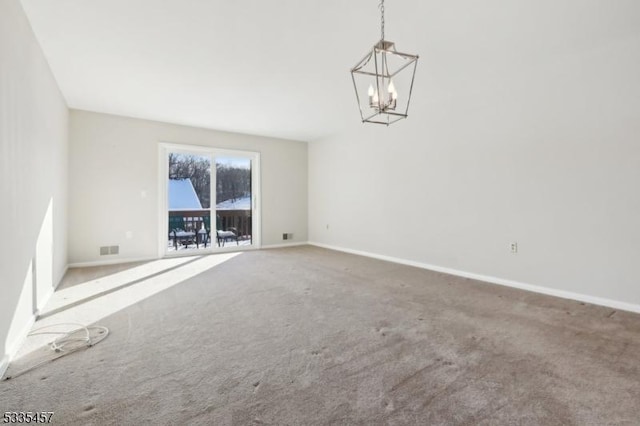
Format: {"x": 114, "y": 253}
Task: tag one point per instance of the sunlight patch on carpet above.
{"x": 88, "y": 303}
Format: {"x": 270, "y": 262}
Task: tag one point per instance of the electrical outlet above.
{"x": 514, "y": 248}
{"x": 104, "y": 250}
{"x": 114, "y": 249}
{"x": 285, "y": 236}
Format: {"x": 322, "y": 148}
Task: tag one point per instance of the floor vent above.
{"x": 106, "y": 250}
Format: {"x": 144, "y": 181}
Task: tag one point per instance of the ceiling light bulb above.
{"x": 370, "y": 90}
{"x": 392, "y": 88}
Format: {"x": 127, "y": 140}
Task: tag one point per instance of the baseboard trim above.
{"x": 148, "y": 259}
{"x": 111, "y": 262}
{"x": 64, "y": 272}
{"x": 601, "y": 301}
{"x": 13, "y": 347}
{"x": 284, "y": 245}
{"x": 45, "y": 300}
{"x": 4, "y": 364}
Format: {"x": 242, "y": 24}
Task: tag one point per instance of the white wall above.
{"x": 113, "y": 159}
{"x": 525, "y": 126}
{"x": 33, "y": 176}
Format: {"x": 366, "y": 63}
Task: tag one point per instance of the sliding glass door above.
{"x": 210, "y": 199}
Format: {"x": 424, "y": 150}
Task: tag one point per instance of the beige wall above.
{"x": 114, "y": 159}
{"x": 545, "y": 152}
{"x": 33, "y": 176}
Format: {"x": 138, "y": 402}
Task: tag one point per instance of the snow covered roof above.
{"x": 243, "y": 203}
{"x": 182, "y": 196}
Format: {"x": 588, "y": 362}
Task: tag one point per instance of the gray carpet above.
{"x": 311, "y": 336}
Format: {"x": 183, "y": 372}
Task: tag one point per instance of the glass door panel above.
{"x": 189, "y": 201}
{"x": 234, "y": 201}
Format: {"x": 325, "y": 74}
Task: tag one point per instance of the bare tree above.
{"x": 195, "y": 168}
{"x": 232, "y": 182}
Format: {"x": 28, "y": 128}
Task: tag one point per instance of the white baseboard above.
{"x": 4, "y": 364}
{"x": 115, "y": 261}
{"x": 283, "y": 245}
{"x": 66, "y": 269}
{"x": 45, "y": 300}
{"x": 12, "y": 348}
{"x": 190, "y": 253}
{"x": 494, "y": 280}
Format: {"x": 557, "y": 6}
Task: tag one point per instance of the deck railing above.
{"x": 238, "y": 219}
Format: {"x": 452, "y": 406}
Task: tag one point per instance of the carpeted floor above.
{"x": 310, "y": 336}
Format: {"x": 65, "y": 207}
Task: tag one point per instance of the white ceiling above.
{"x": 281, "y": 68}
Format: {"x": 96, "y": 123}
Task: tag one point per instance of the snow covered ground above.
{"x": 243, "y": 203}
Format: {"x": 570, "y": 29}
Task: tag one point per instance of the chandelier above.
{"x": 383, "y": 90}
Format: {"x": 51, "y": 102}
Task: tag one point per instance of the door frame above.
{"x": 164, "y": 148}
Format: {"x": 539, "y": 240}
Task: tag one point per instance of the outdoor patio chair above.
{"x": 178, "y": 233}
{"x": 229, "y": 234}
{"x": 225, "y": 235}
{"x": 222, "y": 236}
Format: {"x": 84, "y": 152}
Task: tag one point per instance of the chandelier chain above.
{"x": 381, "y": 6}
